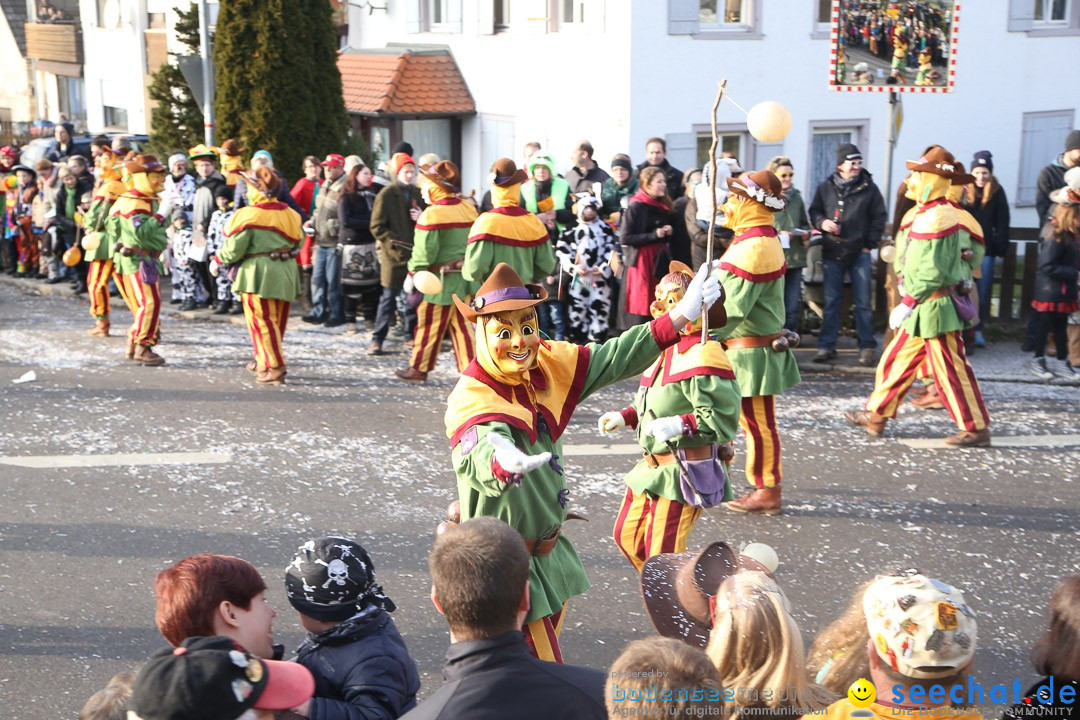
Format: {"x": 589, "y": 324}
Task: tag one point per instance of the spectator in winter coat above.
{"x": 304, "y": 193}
{"x": 1052, "y": 177}
{"x": 62, "y": 147}
{"x": 644, "y": 235}
{"x": 985, "y": 200}
{"x": 326, "y": 277}
{"x": 618, "y": 188}
{"x": 850, "y": 212}
{"x": 361, "y": 666}
{"x": 359, "y": 264}
{"x": 585, "y": 172}
{"x": 656, "y": 156}
{"x": 794, "y": 226}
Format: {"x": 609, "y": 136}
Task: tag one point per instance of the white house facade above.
{"x": 618, "y": 72}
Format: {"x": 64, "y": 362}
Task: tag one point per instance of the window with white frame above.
{"x": 1042, "y": 140}
{"x": 726, "y": 14}
{"x": 733, "y": 143}
{"x": 438, "y": 12}
{"x": 572, "y": 11}
{"x": 1052, "y": 13}
{"x": 501, "y": 14}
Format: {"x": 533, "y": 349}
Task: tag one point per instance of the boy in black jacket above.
{"x": 361, "y": 666}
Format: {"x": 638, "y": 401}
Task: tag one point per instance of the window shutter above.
{"x": 1021, "y": 15}
{"x": 683, "y": 16}
{"x": 682, "y": 149}
{"x": 486, "y": 17}
{"x": 411, "y": 14}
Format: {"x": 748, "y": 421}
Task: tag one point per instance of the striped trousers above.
{"x": 432, "y": 323}
{"x": 542, "y": 636}
{"x": 266, "y": 321}
{"x": 758, "y": 421}
{"x": 97, "y": 287}
{"x": 144, "y": 300}
{"x": 648, "y": 526}
{"x": 955, "y": 380}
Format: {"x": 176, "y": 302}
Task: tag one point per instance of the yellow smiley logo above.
{"x": 862, "y": 693}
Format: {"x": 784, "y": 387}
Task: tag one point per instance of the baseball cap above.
{"x": 333, "y": 160}
{"x": 213, "y": 678}
{"x": 921, "y": 627}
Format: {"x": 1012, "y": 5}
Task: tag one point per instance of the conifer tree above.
{"x": 175, "y": 121}
{"x": 278, "y": 85}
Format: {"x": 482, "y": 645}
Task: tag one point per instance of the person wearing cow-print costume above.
{"x": 583, "y": 252}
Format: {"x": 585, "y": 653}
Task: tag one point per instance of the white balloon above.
{"x": 764, "y": 554}
{"x": 888, "y": 253}
{"x": 769, "y": 121}
{"x": 427, "y": 282}
{"x": 91, "y": 241}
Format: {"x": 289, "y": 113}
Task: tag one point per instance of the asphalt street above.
{"x": 346, "y": 448}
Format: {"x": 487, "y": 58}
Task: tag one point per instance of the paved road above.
{"x": 345, "y": 448}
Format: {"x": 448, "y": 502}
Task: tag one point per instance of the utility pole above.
{"x": 207, "y": 73}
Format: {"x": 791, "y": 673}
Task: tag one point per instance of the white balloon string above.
{"x": 730, "y": 100}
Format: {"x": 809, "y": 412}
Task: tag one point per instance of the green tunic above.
{"x": 532, "y": 264}
{"x": 262, "y": 276}
{"x": 439, "y": 240}
{"x": 139, "y": 229}
{"x": 708, "y": 392}
{"x": 94, "y": 220}
{"x": 539, "y": 505}
{"x": 752, "y": 273}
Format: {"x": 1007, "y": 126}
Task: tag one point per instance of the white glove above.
{"x": 665, "y": 428}
{"x": 513, "y": 460}
{"x": 165, "y": 209}
{"x": 704, "y": 289}
{"x": 610, "y": 422}
{"x": 899, "y": 314}
{"x": 215, "y": 267}
{"x": 408, "y": 287}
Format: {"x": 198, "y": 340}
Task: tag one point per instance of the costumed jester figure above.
{"x": 232, "y": 161}
{"x": 584, "y": 252}
{"x": 752, "y": 272}
{"x": 140, "y": 240}
{"x": 506, "y": 416}
{"x": 262, "y": 240}
{"x": 936, "y": 254}
{"x": 98, "y": 244}
{"x": 508, "y": 233}
{"x": 686, "y": 413}
{"x": 439, "y": 242}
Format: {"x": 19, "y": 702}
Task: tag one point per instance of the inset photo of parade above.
{"x": 908, "y": 45}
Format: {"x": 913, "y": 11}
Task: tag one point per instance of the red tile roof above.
{"x": 426, "y": 82}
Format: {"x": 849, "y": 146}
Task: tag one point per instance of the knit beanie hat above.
{"x": 175, "y": 158}
{"x": 622, "y": 161}
{"x": 984, "y": 159}
{"x": 332, "y": 579}
{"x": 402, "y": 147}
{"x": 264, "y": 154}
{"x": 846, "y": 152}
{"x": 1072, "y": 140}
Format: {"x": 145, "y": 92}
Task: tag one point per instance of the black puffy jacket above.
{"x": 362, "y": 671}
{"x": 1055, "y": 278}
{"x": 857, "y": 207}
{"x": 993, "y": 215}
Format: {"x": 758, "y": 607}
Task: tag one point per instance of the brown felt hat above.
{"x": 939, "y": 161}
{"x": 962, "y": 177}
{"x": 761, "y": 186}
{"x": 231, "y": 148}
{"x": 144, "y": 164}
{"x": 677, "y": 588}
{"x": 444, "y": 174}
{"x": 507, "y": 173}
{"x": 717, "y": 313}
{"x": 501, "y": 292}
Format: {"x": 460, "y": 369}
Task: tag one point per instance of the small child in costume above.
{"x": 186, "y": 283}
{"x": 361, "y": 666}
{"x": 215, "y": 240}
{"x": 583, "y": 252}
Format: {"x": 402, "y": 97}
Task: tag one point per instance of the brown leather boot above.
{"x": 272, "y": 376}
{"x": 763, "y": 501}
{"x": 917, "y": 392}
{"x": 412, "y": 375}
{"x": 100, "y": 329}
{"x": 254, "y": 368}
{"x": 872, "y": 423}
{"x": 145, "y": 355}
{"x": 969, "y": 439}
{"x": 930, "y": 400}
{"x": 130, "y": 347}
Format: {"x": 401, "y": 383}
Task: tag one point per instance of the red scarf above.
{"x": 644, "y": 197}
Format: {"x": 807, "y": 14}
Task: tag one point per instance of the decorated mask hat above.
{"x": 507, "y": 332}
{"x": 147, "y": 173}
{"x": 671, "y": 289}
{"x": 213, "y": 678}
{"x": 263, "y": 185}
{"x": 584, "y": 201}
{"x": 921, "y": 627}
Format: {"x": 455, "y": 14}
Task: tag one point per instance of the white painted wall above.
{"x": 114, "y": 60}
{"x": 625, "y": 79}
{"x": 16, "y": 92}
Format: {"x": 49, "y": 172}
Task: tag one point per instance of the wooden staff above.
{"x": 712, "y": 218}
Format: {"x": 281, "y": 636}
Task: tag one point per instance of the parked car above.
{"x": 36, "y": 148}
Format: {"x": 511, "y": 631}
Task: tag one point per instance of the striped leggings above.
{"x": 432, "y": 323}
{"x": 144, "y": 301}
{"x": 542, "y": 636}
{"x": 97, "y": 287}
{"x": 648, "y": 526}
{"x": 758, "y": 421}
{"x": 955, "y": 380}
{"x": 266, "y": 321}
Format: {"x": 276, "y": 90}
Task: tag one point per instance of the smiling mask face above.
{"x": 513, "y": 340}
